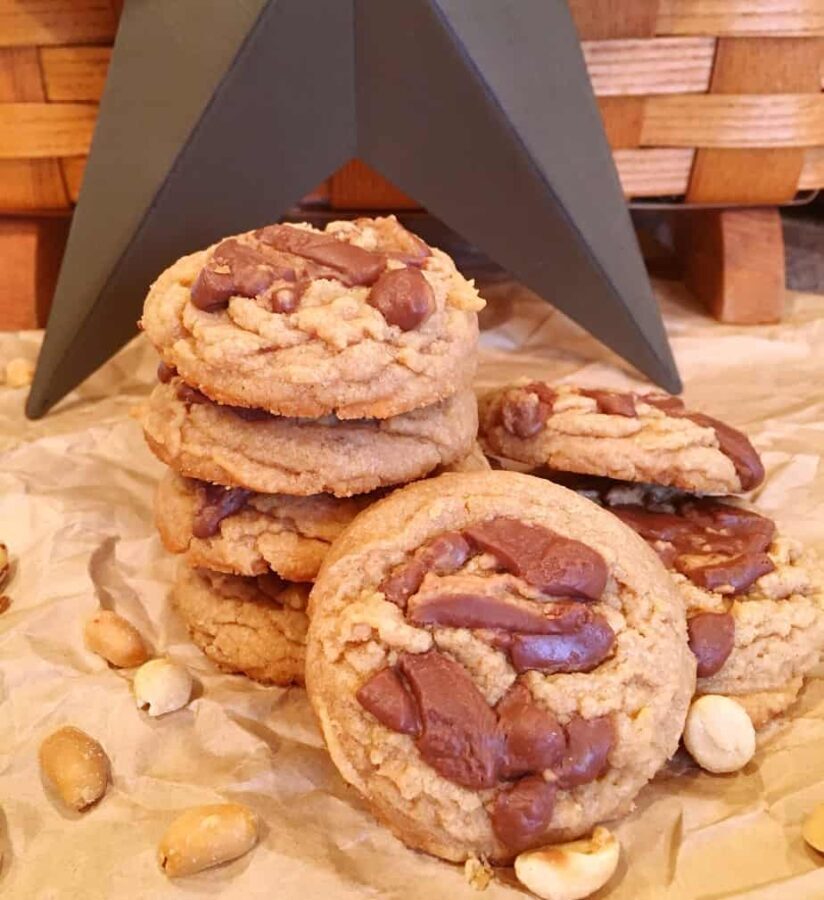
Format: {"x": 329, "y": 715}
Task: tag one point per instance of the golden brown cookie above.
{"x": 239, "y": 532}
{"x": 255, "y": 626}
{"x": 276, "y": 455}
{"x": 632, "y": 437}
{"x": 496, "y": 663}
{"x": 362, "y": 320}
{"x": 754, "y": 599}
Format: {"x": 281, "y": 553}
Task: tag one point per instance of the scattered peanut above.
{"x": 116, "y": 640}
{"x": 570, "y": 871}
{"x": 719, "y": 734}
{"x": 813, "y": 828}
{"x": 76, "y": 766}
{"x": 161, "y": 686}
{"x": 207, "y": 836}
{"x": 5, "y": 566}
{"x": 19, "y": 372}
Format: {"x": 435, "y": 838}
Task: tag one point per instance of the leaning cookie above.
{"x": 253, "y": 626}
{"x": 632, "y": 437}
{"x": 496, "y": 663}
{"x": 754, "y": 599}
{"x": 363, "y": 320}
{"x": 239, "y": 532}
{"x": 275, "y": 455}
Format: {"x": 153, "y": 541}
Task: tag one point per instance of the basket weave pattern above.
{"x": 716, "y": 101}
{"x": 709, "y": 100}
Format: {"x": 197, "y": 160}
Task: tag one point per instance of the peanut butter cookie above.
{"x": 240, "y": 532}
{"x": 754, "y": 599}
{"x": 255, "y": 626}
{"x": 363, "y": 320}
{"x": 275, "y": 455}
{"x": 631, "y": 437}
{"x": 496, "y": 663}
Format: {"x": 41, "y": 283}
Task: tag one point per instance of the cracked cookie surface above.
{"x": 253, "y": 626}
{"x": 629, "y": 437}
{"x": 276, "y": 455}
{"x": 363, "y": 320}
{"x": 496, "y": 662}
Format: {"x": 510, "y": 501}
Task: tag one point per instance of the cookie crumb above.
{"x": 478, "y": 873}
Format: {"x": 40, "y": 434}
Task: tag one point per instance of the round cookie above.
{"x": 362, "y": 320}
{"x": 631, "y": 437}
{"x": 496, "y": 663}
{"x": 275, "y": 455}
{"x": 239, "y": 532}
{"x": 754, "y": 599}
{"x": 255, "y": 626}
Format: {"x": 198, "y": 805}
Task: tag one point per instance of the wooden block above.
{"x": 812, "y": 172}
{"x": 651, "y": 66}
{"x": 31, "y": 184}
{"x": 30, "y": 255}
{"x": 356, "y": 186}
{"x": 623, "y": 118}
{"x": 600, "y": 20}
{"x": 45, "y": 129}
{"x": 734, "y": 262}
{"x": 741, "y": 17}
{"x": 653, "y": 173}
{"x": 50, "y": 22}
{"x": 74, "y": 73}
{"x": 73, "y": 168}
{"x": 726, "y": 120}
{"x": 756, "y": 66}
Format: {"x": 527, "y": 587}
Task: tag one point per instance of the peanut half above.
{"x": 570, "y": 871}
{"x": 76, "y": 766}
{"x": 109, "y": 635}
{"x": 161, "y": 686}
{"x": 207, "y": 836}
{"x": 719, "y": 734}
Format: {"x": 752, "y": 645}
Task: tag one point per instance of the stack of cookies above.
{"x": 303, "y": 374}
{"x": 753, "y": 597}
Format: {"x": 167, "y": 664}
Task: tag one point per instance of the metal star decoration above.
{"x": 218, "y": 116}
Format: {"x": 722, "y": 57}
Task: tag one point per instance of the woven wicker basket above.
{"x": 718, "y": 101}
{"x": 710, "y": 100}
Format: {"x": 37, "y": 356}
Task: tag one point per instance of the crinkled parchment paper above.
{"x": 75, "y": 509}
